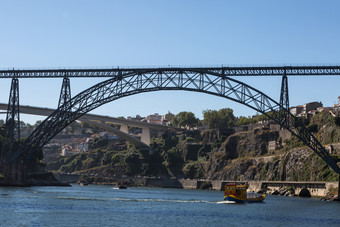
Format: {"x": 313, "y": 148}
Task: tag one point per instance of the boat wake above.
{"x": 226, "y": 202}
{"x": 79, "y": 198}
{"x": 146, "y": 200}
{"x": 172, "y": 201}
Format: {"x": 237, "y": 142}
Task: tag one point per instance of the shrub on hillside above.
{"x": 337, "y": 121}
{"x": 206, "y": 185}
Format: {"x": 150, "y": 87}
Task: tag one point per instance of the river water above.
{"x": 98, "y": 205}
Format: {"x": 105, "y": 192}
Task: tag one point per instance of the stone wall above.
{"x": 319, "y": 189}
{"x": 67, "y": 178}
{"x": 163, "y": 183}
{"x": 315, "y": 188}
{"x": 284, "y": 134}
{"x": 189, "y": 184}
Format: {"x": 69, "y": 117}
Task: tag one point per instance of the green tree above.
{"x": 312, "y": 127}
{"x": 244, "y": 121}
{"x": 185, "y": 119}
{"x": 86, "y": 125}
{"x": 37, "y": 123}
{"x": 224, "y": 118}
{"x": 99, "y": 142}
{"x": 337, "y": 121}
{"x": 133, "y": 163}
{"x": 169, "y": 116}
{"x": 22, "y": 124}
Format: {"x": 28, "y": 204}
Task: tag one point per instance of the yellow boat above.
{"x": 238, "y": 194}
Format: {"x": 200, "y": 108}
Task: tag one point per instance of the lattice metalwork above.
{"x": 12, "y": 126}
{"x": 230, "y": 71}
{"x": 65, "y": 94}
{"x": 284, "y": 98}
{"x": 195, "y": 80}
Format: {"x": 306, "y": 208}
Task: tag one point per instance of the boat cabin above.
{"x": 239, "y": 191}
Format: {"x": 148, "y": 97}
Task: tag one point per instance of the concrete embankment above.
{"x": 319, "y": 189}
{"x": 67, "y": 178}
{"x": 314, "y": 188}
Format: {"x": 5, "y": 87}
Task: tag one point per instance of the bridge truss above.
{"x": 12, "y": 126}
{"x": 228, "y": 71}
{"x": 214, "y": 81}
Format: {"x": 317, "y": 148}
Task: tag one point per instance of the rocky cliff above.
{"x": 215, "y": 155}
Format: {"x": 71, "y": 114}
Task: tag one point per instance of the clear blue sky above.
{"x": 80, "y": 33}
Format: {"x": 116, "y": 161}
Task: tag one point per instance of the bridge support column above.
{"x": 339, "y": 189}
{"x": 284, "y": 97}
{"x": 65, "y": 93}
{"x": 124, "y": 128}
{"x": 15, "y": 174}
{"x": 12, "y": 126}
{"x": 284, "y": 100}
{"x": 146, "y": 136}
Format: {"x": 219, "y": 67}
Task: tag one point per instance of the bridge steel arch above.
{"x": 197, "y": 80}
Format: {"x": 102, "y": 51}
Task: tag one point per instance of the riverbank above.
{"x": 35, "y": 179}
{"x": 287, "y": 188}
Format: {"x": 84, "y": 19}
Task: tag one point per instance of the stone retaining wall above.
{"x": 315, "y": 188}
{"x": 67, "y": 178}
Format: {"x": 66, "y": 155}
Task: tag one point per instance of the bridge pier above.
{"x": 15, "y": 174}
{"x": 124, "y": 128}
{"x": 65, "y": 93}
{"x": 339, "y": 189}
{"x": 12, "y": 126}
{"x": 284, "y": 101}
{"x": 146, "y": 136}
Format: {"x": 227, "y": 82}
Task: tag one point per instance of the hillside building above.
{"x": 304, "y": 110}
{"x": 296, "y": 110}
{"x": 156, "y": 119}
{"x": 337, "y": 106}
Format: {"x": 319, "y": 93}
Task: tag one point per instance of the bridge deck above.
{"x": 229, "y": 71}
{"x": 46, "y": 112}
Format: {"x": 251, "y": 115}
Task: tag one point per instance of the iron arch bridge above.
{"x": 211, "y": 81}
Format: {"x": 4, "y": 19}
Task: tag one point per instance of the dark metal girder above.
{"x": 209, "y": 83}
{"x": 12, "y": 126}
{"x": 221, "y": 71}
{"x": 65, "y": 93}
{"x": 284, "y": 98}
